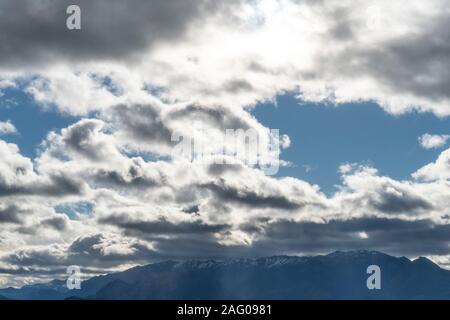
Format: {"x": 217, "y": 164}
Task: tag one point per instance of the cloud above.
{"x": 364, "y": 191}
{"x": 438, "y": 170}
{"x": 7, "y": 83}
{"x": 106, "y": 247}
{"x": 334, "y": 51}
{"x": 84, "y": 138}
{"x": 17, "y": 177}
{"x": 142, "y": 124}
{"x": 394, "y": 201}
{"x": 162, "y": 226}
{"x": 318, "y": 50}
{"x": 249, "y": 198}
{"x": 58, "y": 222}
{"x": 110, "y": 30}
{"x": 433, "y": 141}
{"x": 94, "y": 253}
{"x": 7, "y": 128}
{"x": 10, "y": 214}
{"x": 394, "y": 236}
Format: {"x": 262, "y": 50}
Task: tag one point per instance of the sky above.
{"x": 91, "y": 175}
{"x": 325, "y": 137}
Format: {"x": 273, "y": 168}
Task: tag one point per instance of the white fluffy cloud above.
{"x": 6, "y": 127}
{"x": 433, "y": 141}
{"x": 438, "y": 170}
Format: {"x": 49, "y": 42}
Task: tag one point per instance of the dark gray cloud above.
{"x": 389, "y": 202}
{"x": 400, "y": 63}
{"x": 89, "y": 252}
{"x": 87, "y": 245}
{"x": 195, "y": 209}
{"x": 35, "y": 257}
{"x": 58, "y": 222}
{"x": 35, "y": 31}
{"x": 92, "y": 251}
{"x": 227, "y": 194}
{"x": 10, "y": 214}
{"x": 58, "y": 185}
{"x": 27, "y": 230}
{"x": 79, "y": 138}
{"x": 142, "y": 124}
{"x": 162, "y": 226}
{"x": 188, "y": 247}
{"x": 414, "y": 64}
{"x": 61, "y": 185}
{"x": 217, "y": 116}
{"x": 238, "y": 85}
{"x": 114, "y": 178}
{"x": 147, "y": 126}
{"x": 49, "y": 273}
{"x": 395, "y": 236}
{"x": 219, "y": 169}
{"x": 130, "y": 180}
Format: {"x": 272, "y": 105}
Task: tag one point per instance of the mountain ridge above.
{"x": 338, "y": 275}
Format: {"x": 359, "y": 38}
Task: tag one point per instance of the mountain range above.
{"x": 339, "y": 275}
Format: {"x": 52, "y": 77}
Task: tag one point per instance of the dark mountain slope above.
{"x": 340, "y": 275}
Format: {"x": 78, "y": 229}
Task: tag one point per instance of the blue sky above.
{"x": 324, "y": 136}
{"x": 33, "y": 123}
